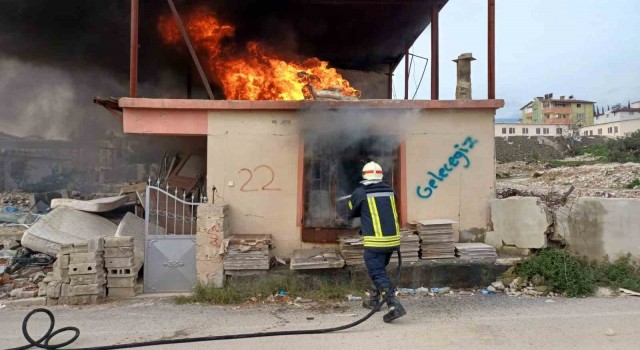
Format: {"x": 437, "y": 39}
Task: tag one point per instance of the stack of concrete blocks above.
{"x": 78, "y": 274}
{"x": 122, "y": 273}
{"x": 213, "y": 228}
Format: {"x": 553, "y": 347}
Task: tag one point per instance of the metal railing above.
{"x": 173, "y": 215}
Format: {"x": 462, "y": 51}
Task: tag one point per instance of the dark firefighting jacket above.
{"x": 375, "y": 205}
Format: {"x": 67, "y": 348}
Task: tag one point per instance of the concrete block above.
{"x": 85, "y": 269}
{"x": 26, "y": 302}
{"x": 86, "y": 299}
{"x": 121, "y": 272}
{"x": 121, "y": 282}
{"x": 20, "y": 293}
{"x": 121, "y": 293}
{"x": 65, "y": 290}
{"x": 119, "y": 262}
{"x": 53, "y": 289}
{"x": 521, "y": 221}
{"x": 60, "y": 274}
{"x": 52, "y": 301}
{"x": 63, "y": 260}
{"x": 492, "y": 239}
{"x": 95, "y": 245}
{"x": 49, "y": 277}
{"x": 87, "y": 289}
{"x": 212, "y": 210}
{"x": 95, "y": 278}
{"x": 63, "y": 300}
{"x": 81, "y": 247}
{"x": 596, "y": 227}
{"x": 66, "y": 249}
{"x": 86, "y": 258}
{"x": 111, "y": 242}
{"x": 133, "y": 226}
{"x": 119, "y": 252}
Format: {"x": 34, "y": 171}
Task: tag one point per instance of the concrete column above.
{"x": 212, "y": 228}
{"x": 463, "y": 87}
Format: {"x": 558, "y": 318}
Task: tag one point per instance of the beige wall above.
{"x": 248, "y": 139}
{"x": 625, "y": 127}
{"x": 531, "y": 128}
{"x": 464, "y": 195}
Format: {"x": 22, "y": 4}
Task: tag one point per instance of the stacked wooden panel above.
{"x": 475, "y": 251}
{"x": 437, "y": 238}
{"x": 352, "y": 249}
{"x": 247, "y": 252}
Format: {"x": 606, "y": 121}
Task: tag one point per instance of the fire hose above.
{"x": 44, "y": 341}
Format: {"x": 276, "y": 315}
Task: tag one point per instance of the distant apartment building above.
{"x": 561, "y": 111}
{"x": 520, "y": 129}
{"x": 618, "y": 113}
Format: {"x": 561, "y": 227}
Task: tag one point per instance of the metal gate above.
{"x": 170, "y": 241}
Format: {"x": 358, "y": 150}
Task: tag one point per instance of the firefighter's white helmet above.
{"x": 372, "y": 171}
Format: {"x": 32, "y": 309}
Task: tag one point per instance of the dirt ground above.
{"x": 457, "y": 322}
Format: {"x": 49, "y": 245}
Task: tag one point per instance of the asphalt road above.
{"x": 447, "y": 322}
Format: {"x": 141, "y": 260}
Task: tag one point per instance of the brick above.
{"x": 87, "y": 289}
{"x": 53, "y": 289}
{"x": 112, "y": 242}
{"x": 52, "y": 301}
{"x": 96, "y": 245}
{"x": 63, "y": 260}
{"x": 95, "y": 278}
{"x": 119, "y": 262}
{"x": 85, "y": 269}
{"x": 121, "y": 282}
{"x": 80, "y": 247}
{"x": 118, "y": 252}
{"x": 66, "y": 249}
{"x": 121, "y": 293}
{"x": 85, "y": 258}
{"x": 85, "y": 299}
{"x": 65, "y": 290}
{"x": 121, "y": 272}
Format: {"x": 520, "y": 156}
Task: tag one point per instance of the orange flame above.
{"x": 254, "y": 74}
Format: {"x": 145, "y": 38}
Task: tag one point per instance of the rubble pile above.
{"x": 122, "y": 272}
{"x": 352, "y": 249}
{"x": 596, "y": 176}
{"x": 18, "y": 200}
{"x": 250, "y": 252}
{"x": 437, "y": 238}
{"x": 520, "y": 286}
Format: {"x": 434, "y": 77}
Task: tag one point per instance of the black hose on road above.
{"x": 44, "y": 341}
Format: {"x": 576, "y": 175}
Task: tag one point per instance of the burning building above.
{"x": 289, "y": 123}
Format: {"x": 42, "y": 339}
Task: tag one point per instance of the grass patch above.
{"x": 634, "y": 184}
{"x": 270, "y": 286}
{"x": 577, "y": 276}
{"x": 620, "y": 150}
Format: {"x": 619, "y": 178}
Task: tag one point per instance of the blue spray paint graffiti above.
{"x": 459, "y": 157}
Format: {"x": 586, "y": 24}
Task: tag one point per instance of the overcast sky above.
{"x": 586, "y": 48}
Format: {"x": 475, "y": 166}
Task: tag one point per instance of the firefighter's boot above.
{"x": 374, "y": 300}
{"x": 395, "y": 309}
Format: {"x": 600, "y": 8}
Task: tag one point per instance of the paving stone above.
{"x": 95, "y": 245}
{"x": 119, "y": 262}
{"x": 95, "y": 278}
{"x": 85, "y": 269}
{"x": 87, "y": 289}
{"x": 118, "y": 252}
{"x": 121, "y": 272}
{"x": 120, "y": 293}
{"x": 111, "y": 242}
{"x": 121, "y": 282}
{"x": 85, "y": 258}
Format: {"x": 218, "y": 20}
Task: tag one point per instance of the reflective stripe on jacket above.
{"x": 375, "y": 204}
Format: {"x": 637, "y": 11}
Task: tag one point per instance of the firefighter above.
{"x": 375, "y": 204}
